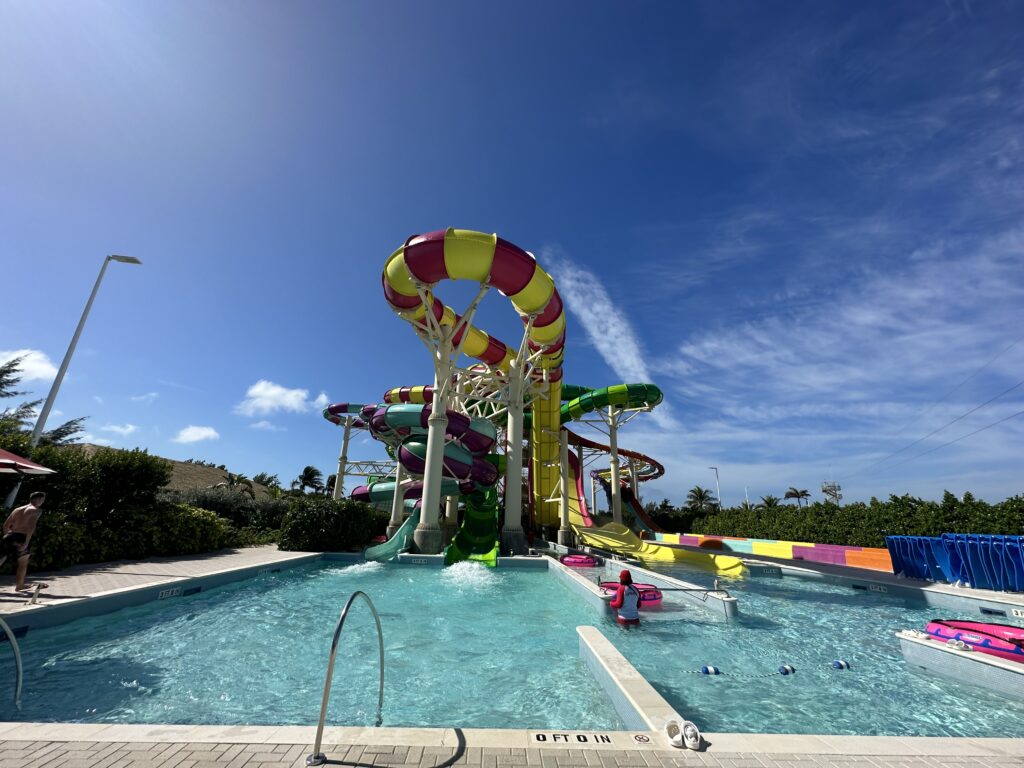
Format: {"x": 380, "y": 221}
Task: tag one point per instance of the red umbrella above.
{"x": 12, "y": 464}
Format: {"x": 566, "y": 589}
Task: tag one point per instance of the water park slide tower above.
{"x": 535, "y": 368}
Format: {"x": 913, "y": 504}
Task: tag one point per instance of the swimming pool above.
{"x": 474, "y": 647}
{"x": 807, "y": 624}
{"x": 464, "y": 646}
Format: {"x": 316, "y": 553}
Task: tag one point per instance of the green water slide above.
{"x": 579, "y": 401}
{"x": 477, "y": 537}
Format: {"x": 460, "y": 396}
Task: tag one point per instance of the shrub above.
{"x": 254, "y": 537}
{"x": 321, "y": 524}
{"x": 179, "y": 529}
{"x": 232, "y": 504}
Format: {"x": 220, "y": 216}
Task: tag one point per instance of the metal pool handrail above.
{"x": 318, "y": 757}
{"x": 17, "y": 662}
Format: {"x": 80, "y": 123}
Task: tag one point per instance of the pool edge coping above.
{"x": 758, "y": 743}
{"x": 348, "y": 735}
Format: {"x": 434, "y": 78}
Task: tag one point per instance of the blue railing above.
{"x": 985, "y": 561}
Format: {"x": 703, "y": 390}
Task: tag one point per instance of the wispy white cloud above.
{"x": 178, "y": 385}
{"x": 98, "y": 399}
{"x": 805, "y": 395}
{"x": 607, "y": 327}
{"x": 194, "y": 434}
{"x": 147, "y": 398}
{"x": 35, "y": 365}
{"x": 266, "y": 426}
{"x": 872, "y": 261}
{"x": 121, "y": 429}
{"x": 265, "y": 397}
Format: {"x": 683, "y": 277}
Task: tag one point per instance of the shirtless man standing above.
{"x": 18, "y": 530}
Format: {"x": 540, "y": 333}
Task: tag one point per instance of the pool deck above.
{"x": 86, "y": 581}
{"x": 81, "y": 745}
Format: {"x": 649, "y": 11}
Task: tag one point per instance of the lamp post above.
{"x": 37, "y": 431}
{"x": 718, "y": 488}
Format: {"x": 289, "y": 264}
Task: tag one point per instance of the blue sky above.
{"x": 802, "y": 221}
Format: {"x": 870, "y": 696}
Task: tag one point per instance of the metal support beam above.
{"x": 564, "y": 532}
{"x": 513, "y": 540}
{"x": 397, "y": 502}
{"x": 339, "y": 479}
{"x": 428, "y": 536}
{"x": 613, "y": 445}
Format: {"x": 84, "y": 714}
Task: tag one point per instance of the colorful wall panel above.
{"x": 832, "y": 554}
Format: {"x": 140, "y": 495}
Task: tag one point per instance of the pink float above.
{"x": 650, "y": 595}
{"x": 579, "y": 561}
{"x": 1000, "y": 640}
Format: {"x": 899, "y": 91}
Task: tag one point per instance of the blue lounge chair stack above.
{"x": 980, "y": 560}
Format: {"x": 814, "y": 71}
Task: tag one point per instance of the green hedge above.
{"x": 239, "y": 508}
{"x": 866, "y": 525}
{"x": 106, "y": 506}
{"x": 321, "y": 524}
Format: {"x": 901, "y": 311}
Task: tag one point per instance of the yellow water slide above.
{"x": 617, "y": 538}
{"x": 409, "y": 277}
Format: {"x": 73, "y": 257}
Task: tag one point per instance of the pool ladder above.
{"x": 318, "y": 757}
{"x": 19, "y": 675}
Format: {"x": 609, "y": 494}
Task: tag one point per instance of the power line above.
{"x": 928, "y": 410}
{"x": 934, "y": 431}
{"x": 963, "y": 437}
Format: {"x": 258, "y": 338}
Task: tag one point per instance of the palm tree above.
{"x": 17, "y": 423}
{"x": 267, "y": 480}
{"x": 239, "y": 483}
{"x": 769, "y": 502}
{"x": 701, "y": 500}
{"x": 311, "y": 477}
{"x": 329, "y": 485}
{"x": 799, "y": 495}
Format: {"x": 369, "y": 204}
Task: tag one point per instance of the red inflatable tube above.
{"x": 579, "y": 561}
{"x": 650, "y": 595}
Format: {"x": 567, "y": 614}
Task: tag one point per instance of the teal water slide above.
{"x": 470, "y": 470}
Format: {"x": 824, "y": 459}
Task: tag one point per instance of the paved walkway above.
{"x": 227, "y": 754}
{"x": 73, "y": 745}
{"x": 96, "y": 579}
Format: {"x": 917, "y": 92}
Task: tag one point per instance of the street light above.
{"x": 41, "y": 421}
{"x": 718, "y": 488}
{"x": 37, "y": 431}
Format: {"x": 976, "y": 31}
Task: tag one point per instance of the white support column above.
{"x": 428, "y": 536}
{"x": 593, "y": 494}
{"x": 451, "y": 517}
{"x": 513, "y": 540}
{"x": 634, "y": 481}
{"x": 397, "y": 502}
{"x": 579, "y": 460}
{"x": 613, "y": 445}
{"x": 564, "y": 532}
{"x": 339, "y": 479}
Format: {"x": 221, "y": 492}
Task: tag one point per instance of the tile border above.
{"x": 723, "y": 743}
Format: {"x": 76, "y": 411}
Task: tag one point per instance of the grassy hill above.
{"x": 186, "y": 476}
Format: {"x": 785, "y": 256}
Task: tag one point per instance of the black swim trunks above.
{"x": 14, "y": 544}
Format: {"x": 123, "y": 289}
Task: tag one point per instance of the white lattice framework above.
{"x": 479, "y": 390}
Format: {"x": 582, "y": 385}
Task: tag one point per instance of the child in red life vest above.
{"x": 627, "y": 600}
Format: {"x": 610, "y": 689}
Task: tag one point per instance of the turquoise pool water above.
{"x": 807, "y": 624}
{"x": 463, "y": 646}
{"x": 496, "y": 648}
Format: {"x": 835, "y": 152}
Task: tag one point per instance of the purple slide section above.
{"x": 479, "y": 471}
{"x": 413, "y": 491}
{"x": 458, "y": 427}
{"x": 337, "y": 412}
